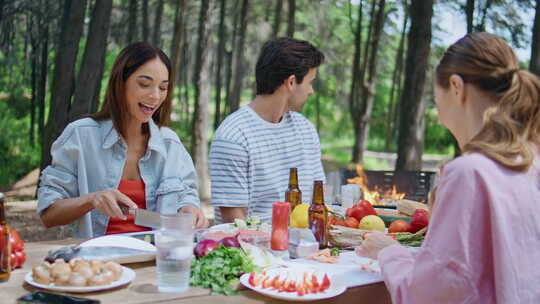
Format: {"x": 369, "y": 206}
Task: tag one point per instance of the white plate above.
{"x": 331, "y": 292}
{"x": 127, "y": 276}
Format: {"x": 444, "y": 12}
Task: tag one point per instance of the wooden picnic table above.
{"x": 143, "y": 288}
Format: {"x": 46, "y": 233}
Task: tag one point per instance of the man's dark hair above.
{"x": 283, "y": 57}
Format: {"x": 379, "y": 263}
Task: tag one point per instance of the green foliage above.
{"x": 18, "y": 156}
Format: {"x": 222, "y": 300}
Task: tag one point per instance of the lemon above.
{"x": 372, "y": 222}
{"x": 299, "y": 216}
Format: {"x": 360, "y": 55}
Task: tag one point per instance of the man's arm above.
{"x": 229, "y": 214}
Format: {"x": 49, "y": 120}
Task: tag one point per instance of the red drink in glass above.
{"x": 280, "y": 226}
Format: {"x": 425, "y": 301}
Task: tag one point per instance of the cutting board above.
{"x": 126, "y": 242}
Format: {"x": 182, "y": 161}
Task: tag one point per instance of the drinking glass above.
{"x": 174, "y": 243}
{"x": 332, "y": 191}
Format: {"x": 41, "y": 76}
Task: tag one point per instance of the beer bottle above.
{"x": 5, "y": 245}
{"x": 293, "y": 195}
{"x": 318, "y": 215}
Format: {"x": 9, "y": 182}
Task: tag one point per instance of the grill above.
{"x": 415, "y": 184}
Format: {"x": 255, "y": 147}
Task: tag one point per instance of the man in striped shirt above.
{"x": 254, "y": 147}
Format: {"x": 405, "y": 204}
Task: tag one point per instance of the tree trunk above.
{"x": 369, "y": 86}
{"x": 535, "y": 49}
{"x": 277, "y": 18}
{"x": 220, "y": 55}
{"x": 2, "y": 5}
{"x": 230, "y": 63}
{"x": 185, "y": 84}
{"x": 178, "y": 36}
{"x": 42, "y": 86}
{"x": 239, "y": 66}
{"x": 156, "y": 41}
{"x": 201, "y": 82}
{"x": 34, "y": 50}
{"x": 397, "y": 77}
{"x": 290, "y": 19}
{"x": 34, "y": 91}
{"x": 318, "y": 85}
{"x": 64, "y": 74}
{"x": 469, "y": 13}
{"x": 357, "y": 154}
{"x": 353, "y": 95}
{"x": 411, "y": 129}
{"x": 86, "y": 97}
{"x": 132, "y": 21}
{"x": 145, "y": 22}
{"x": 481, "y": 26}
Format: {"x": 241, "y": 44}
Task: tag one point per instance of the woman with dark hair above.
{"x": 122, "y": 156}
{"x": 484, "y": 235}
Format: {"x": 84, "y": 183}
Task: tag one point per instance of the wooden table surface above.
{"x": 143, "y": 288}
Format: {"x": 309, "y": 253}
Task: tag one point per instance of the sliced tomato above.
{"x": 254, "y": 279}
{"x": 291, "y": 286}
{"x": 301, "y": 289}
{"x": 325, "y": 283}
{"x": 274, "y": 282}
{"x": 251, "y": 279}
{"x": 307, "y": 283}
{"x": 315, "y": 283}
{"x": 267, "y": 282}
{"x": 280, "y": 285}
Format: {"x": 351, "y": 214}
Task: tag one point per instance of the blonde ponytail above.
{"x": 511, "y": 129}
{"x": 512, "y": 126}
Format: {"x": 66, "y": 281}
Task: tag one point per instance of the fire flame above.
{"x": 375, "y": 196}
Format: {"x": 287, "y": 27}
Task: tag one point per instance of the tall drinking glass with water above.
{"x": 174, "y": 242}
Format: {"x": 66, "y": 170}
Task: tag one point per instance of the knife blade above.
{"x": 146, "y": 218}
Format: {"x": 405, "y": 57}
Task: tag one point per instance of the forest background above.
{"x": 373, "y": 93}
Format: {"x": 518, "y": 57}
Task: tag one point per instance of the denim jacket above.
{"x": 89, "y": 156}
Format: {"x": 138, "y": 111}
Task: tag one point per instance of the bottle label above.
{"x": 317, "y": 225}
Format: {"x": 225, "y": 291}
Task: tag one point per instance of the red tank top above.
{"x": 134, "y": 189}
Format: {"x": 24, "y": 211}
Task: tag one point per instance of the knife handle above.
{"x": 126, "y": 210}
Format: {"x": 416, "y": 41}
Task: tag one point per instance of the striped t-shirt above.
{"x": 250, "y": 160}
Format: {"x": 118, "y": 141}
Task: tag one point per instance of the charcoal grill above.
{"x": 415, "y": 184}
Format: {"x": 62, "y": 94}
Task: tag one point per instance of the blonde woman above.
{"x": 483, "y": 242}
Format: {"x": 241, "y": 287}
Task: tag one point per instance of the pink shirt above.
{"x": 483, "y": 244}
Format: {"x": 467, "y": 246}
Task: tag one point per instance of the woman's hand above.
{"x": 373, "y": 244}
{"x": 108, "y": 202}
{"x": 200, "y": 219}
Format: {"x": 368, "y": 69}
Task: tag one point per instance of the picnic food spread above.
{"x": 315, "y": 236}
